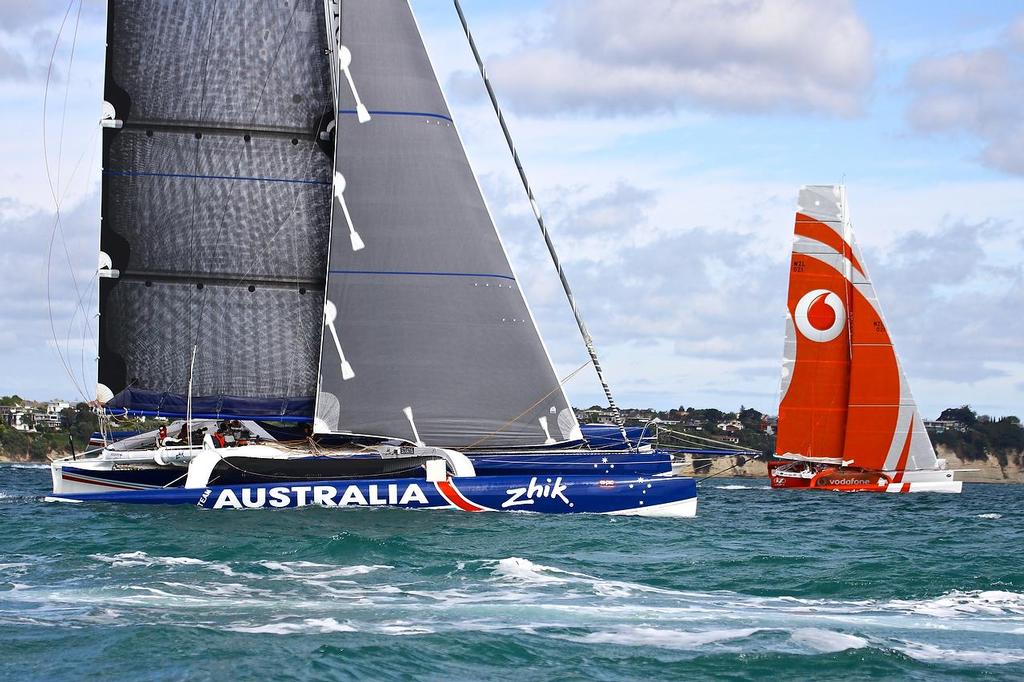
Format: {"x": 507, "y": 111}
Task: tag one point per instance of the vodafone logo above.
{"x": 820, "y": 315}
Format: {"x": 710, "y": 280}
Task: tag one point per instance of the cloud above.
{"x": 34, "y": 368}
{"x": 12, "y": 65}
{"x": 977, "y": 92}
{"x": 16, "y": 15}
{"x": 608, "y": 57}
{"x": 688, "y": 308}
{"x": 958, "y": 325}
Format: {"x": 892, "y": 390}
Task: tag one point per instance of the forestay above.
{"x": 428, "y": 315}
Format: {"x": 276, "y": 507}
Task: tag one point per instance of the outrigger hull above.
{"x": 637, "y": 496}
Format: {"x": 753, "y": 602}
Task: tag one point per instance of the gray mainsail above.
{"x": 428, "y": 336}
{"x": 216, "y": 205}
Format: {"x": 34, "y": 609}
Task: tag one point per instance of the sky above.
{"x": 666, "y": 143}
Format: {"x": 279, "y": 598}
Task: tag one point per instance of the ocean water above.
{"x": 763, "y": 584}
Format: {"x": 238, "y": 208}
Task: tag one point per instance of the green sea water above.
{"x": 763, "y": 584}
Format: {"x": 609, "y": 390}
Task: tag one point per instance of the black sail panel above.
{"x": 429, "y": 315}
{"x": 216, "y": 205}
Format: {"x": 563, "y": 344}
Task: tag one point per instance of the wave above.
{"x": 826, "y": 641}
{"x": 990, "y": 515}
{"x": 958, "y": 604}
{"x": 929, "y": 653}
{"x": 671, "y": 639}
{"x": 312, "y": 571}
{"x": 321, "y": 626}
{"x": 742, "y": 487}
{"x": 143, "y": 559}
{"x": 25, "y": 465}
{"x": 951, "y": 605}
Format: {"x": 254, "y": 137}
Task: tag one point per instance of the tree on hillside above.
{"x": 963, "y": 414}
{"x": 750, "y": 417}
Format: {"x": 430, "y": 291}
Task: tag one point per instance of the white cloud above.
{"x": 608, "y": 57}
{"x": 978, "y": 92}
{"x": 39, "y": 282}
{"x": 684, "y": 287}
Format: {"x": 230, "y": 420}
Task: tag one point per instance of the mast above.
{"x": 587, "y": 339}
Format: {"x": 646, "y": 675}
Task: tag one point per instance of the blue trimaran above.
{"x": 306, "y": 278}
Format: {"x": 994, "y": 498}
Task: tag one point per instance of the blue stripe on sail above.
{"x": 212, "y": 177}
{"x": 420, "y": 274}
{"x": 211, "y": 415}
{"x": 424, "y": 114}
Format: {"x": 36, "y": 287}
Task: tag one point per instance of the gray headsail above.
{"x": 427, "y": 335}
{"x": 216, "y": 205}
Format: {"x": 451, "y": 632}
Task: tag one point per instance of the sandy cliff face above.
{"x": 688, "y": 465}
{"x": 989, "y": 470}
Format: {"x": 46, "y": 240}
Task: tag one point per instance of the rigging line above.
{"x": 46, "y": 94}
{"x": 57, "y": 203}
{"x": 701, "y": 480}
{"x": 67, "y": 90}
{"x": 80, "y": 303}
{"x": 528, "y": 409}
{"x": 683, "y": 436}
{"x": 587, "y": 339}
{"x": 89, "y": 291}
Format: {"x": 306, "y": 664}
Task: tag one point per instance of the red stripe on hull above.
{"x": 832, "y": 478}
{"x": 451, "y": 493}
{"x": 103, "y": 483}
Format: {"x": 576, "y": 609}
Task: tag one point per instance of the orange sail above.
{"x": 847, "y": 419}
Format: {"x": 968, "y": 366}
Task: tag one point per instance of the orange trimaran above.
{"x": 847, "y": 420}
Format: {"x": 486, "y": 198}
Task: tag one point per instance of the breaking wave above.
{"x": 742, "y": 487}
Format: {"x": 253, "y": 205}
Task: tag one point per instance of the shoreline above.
{"x": 988, "y": 470}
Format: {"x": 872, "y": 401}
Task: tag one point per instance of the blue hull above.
{"x": 568, "y": 464}
{"x": 543, "y": 494}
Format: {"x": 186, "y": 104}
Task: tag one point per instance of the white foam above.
{"x": 315, "y": 625}
{"x": 957, "y": 604}
{"x": 25, "y": 465}
{"x": 669, "y": 639}
{"x": 930, "y": 653}
{"x": 826, "y": 641}
{"x": 143, "y": 559}
{"x": 990, "y": 515}
{"x": 313, "y": 571}
{"x": 742, "y": 487}
{"x": 524, "y": 570}
{"x": 527, "y": 572}
{"x": 5, "y": 567}
{"x": 403, "y": 628}
{"x": 130, "y": 559}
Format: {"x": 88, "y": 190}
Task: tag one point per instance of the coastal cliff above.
{"x": 987, "y": 470}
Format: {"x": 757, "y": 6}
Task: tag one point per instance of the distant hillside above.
{"x": 40, "y": 431}
{"x": 974, "y": 438}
